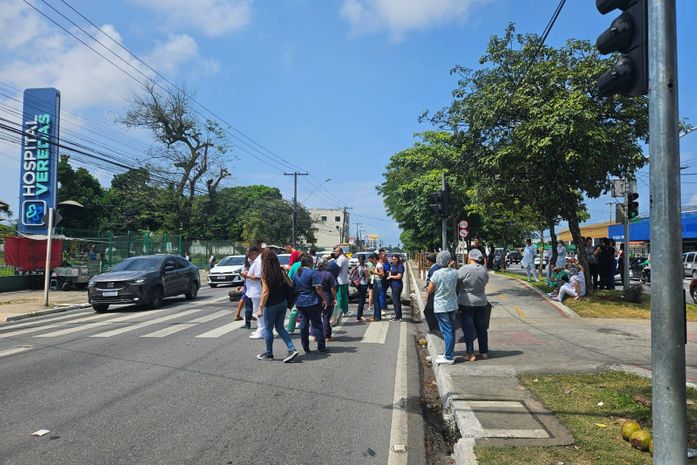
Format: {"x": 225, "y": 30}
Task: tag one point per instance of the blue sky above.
{"x": 332, "y": 86}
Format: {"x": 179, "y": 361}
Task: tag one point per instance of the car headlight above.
{"x": 138, "y": 281}
{"x": 92, "y": 282}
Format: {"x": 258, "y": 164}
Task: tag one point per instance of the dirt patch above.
{"x": 439, "y": 439}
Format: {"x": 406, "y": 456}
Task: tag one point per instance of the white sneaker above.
{"x": 442, "y": 360}
{"x": 256, "y": 335}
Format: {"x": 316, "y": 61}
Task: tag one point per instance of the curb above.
{"x": 560, "y": 306}
{"x": 643, "y": 372}
{"x": 49, "y": 311}
{"x": 415, "y": 295}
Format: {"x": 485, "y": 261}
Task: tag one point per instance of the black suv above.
{"x": 144, "y": 280}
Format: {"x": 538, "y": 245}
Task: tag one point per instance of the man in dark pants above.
{"x": 431, "y": 320}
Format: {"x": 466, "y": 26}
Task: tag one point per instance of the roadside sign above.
{"x": 463, "y": 224}
{"x": 463, "y": 229}
{"x": 463, "y": 233}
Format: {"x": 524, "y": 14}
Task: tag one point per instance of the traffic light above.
{"x": 632, "y": 206}
{"x": 628, "y": 34}
{"x": 439, "y": 202}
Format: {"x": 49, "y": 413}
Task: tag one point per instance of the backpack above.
{"x": 355, "y": 277}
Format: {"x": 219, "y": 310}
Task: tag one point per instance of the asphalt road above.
{"x": 171, "y": 386}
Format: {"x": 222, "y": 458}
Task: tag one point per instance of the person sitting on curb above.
{"x": 556, "y": 280}
{"x": 576, "y": 285}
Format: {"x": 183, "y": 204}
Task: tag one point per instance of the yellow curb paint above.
{"x": 519, "y": 311}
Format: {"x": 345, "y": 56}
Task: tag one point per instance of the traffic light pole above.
{"x": 667, "y": 325}
{"x": 444, "y": 218}
{"x": 625, "y": 255}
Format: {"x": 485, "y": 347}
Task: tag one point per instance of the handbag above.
{"x": 291, "y": 294}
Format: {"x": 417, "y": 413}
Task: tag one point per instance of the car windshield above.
{"x": 284, "y": 259}
{"x": 232, "y": 261}
{"x": 139, "y": 264}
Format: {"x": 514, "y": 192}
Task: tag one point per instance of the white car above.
{"x": 353, "y": 261}
{"x": 227, "y": 271}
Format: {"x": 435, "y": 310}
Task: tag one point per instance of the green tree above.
{"x": 134, "y": 202}
{"x": 79, "y": 185}
{"x": 537, "y": 128}
{"x": 191, "y": 153}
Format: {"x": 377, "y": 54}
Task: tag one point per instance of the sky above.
{"x": 331, "y": 87}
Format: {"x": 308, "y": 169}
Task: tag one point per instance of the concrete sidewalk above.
{"x": 23, "y": 304}
{"x": 531, "y": 334}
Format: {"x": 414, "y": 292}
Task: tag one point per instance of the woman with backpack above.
{"x": 273, "y": 304}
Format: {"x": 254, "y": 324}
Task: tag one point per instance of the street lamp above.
{"x": 52, "y": 212}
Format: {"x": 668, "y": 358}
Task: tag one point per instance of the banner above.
{"x": 38, "y": 168}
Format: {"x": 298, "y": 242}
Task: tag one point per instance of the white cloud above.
{"x": 401, "y": 16}
{"x": 46, "y": 57}
{"x": 213, "y": 18}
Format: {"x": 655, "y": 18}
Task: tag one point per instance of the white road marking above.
{"x": 399, "y": 433}
{"x": 14, "y": 350}
{"x": 170, "y": 330}
{"x": 75, "y": 329}
{"x": 144, "y": 324}
{"x": 376, "y": 332}
{"x": 217, "y": 332}
{"x": 56, "y": 325}
{"x": 212, "y": 316}
{"x": 34, "y": 322}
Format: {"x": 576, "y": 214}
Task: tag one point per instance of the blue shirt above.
{"x": 305, "y": 284}
{"x": 328, "y": 283}
{"x": 445, "y": 297}
{"x": 394, "y": 271}
{"x": 333, "y": 268}
{"x": 432, "y": 270}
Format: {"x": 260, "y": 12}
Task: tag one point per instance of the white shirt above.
{"x": 561, "y": 255}
{"x": 254, "y": 285}
{"x": 529, "y": 255}
{"x": 342, "y": 261}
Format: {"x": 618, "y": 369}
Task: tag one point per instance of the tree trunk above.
{"x": 553, "y": 243}
{"x": 575, "y": 230}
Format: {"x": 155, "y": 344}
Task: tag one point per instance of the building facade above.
{"x": 332, "y": 226}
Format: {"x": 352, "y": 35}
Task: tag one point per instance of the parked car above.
{"x": 353, "y": 261}
{"x": 689, "y": 264}
{"x": 536, "y": 260}
{"x": 227, "y": 271}
{"x": 144, "y": 280}
{"x": 513, "y": 257}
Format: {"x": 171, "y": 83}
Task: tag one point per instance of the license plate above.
{"x": 219, "y": 278}
{"x": 110, "y": 293}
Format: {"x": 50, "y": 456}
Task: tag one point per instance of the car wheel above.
{"x": 156, "y": 298}
{"x": 213, "y": 285}
{"x": 193, "y": 291}
{"x": 99, "y": 308}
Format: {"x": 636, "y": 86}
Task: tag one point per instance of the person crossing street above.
{"x": 342, "y": 280}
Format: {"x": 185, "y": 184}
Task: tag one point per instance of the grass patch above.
{"x": 574, "y": 399}
{"x": 606, "y": 303}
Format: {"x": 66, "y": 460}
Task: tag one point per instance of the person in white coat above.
{"x": 561, "y": 255}
{"x": 528, "y": 261}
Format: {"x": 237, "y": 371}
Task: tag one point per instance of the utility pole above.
{"x": 444, "y": 218}
{"x": 358, "y": 235}
{"x": 667, "y": 294}
{"x": 295, "y": 175}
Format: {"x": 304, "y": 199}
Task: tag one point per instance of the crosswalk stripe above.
{"x": 34, "y": 322}
{"x": 14, "y": 350}
{"x": 75, "y": 329}
{"x": 134, "y": 327}
{"x": 217, "y": 332}
{"x": 376, "y": 332}
{"x": 51, "y": 326}
{"x": 212, "y": 316}
{"x": 175, "y": 328}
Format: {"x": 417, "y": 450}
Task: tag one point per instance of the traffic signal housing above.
{"x": 628, "y": 35}
{"x": 632, "y": 206}
{"x": 439, "y": 202}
